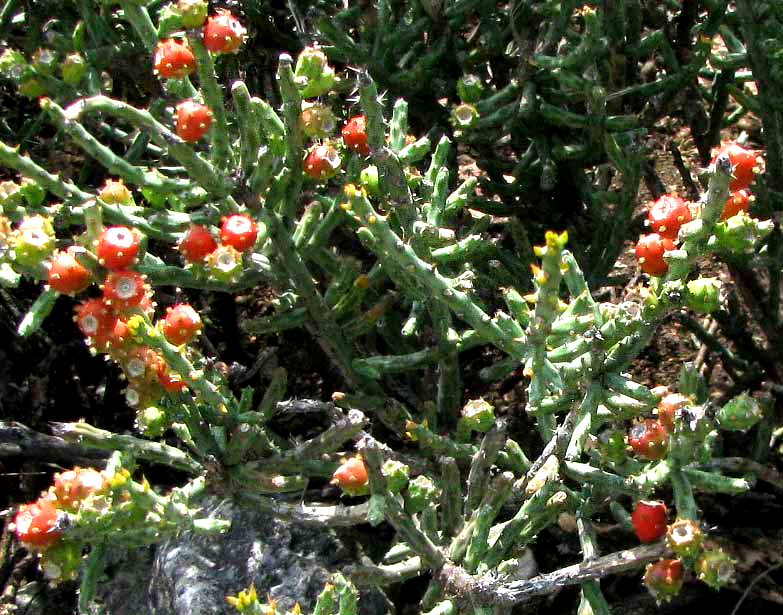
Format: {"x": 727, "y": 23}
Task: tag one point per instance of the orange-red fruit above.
{"x": 649, "y": 520}
{"x": 197, "y": 244}
{"x": 669, "y": 407}
{"x": 94, "y": 317}
{"x": 34, "y": 522}
{"x": 664, "y": 578}
{"x": 125, "y": 290}
{"x": 223, "y": 33}
{"x": 239, "y": 232}
{"x": 737, "y": 202}
{"x": 649, "y": 251}
{"x": 649, "y": 439}
{"x": 114, "y": 339}
{"x": 118, "y": 247}
{"x": 171, "y": 381}
{"x": 355, "y": 135}
{"x": 66, "y": 274}
{"x": 72, "y": 486}
{"x": 193, "y": 120}
{"x": 182, "y": 324}
{"x": 174, "y": 59}
{"x": 322, "y": 162}
{"x": 351, "y": 475}
{"x": 744, "y": 164}
{"x": 668, "y": 214}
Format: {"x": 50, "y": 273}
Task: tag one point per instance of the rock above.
{"x": 192, "y": 574}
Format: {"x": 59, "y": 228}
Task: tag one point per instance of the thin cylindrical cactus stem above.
{"x": 592, "y": 599}
{"x": 600, "y": 479}
{"x": 398, "y": 127}
{"x": 430, "y": 554}
{"x": 715, "y": 483}
{"x": 133, "y": 174}
{"x": 373, "y": 111}
{"x": 140, "y": 19}
{"x": 393, "y": 250}
{"x": 384, "y": 575}
{"x": 450, "y": 497}
{"x": 221, "y": 151}
{"x": 199, "y": 169}
{"x": 249, "y": 137}
{"x": 155, "y": 452}
{"x": 547, "y": 281}
{"x": 684, "y": 501}
{"x": 330, "y": 337}
{"x": 10, "y": 157}
{"x": 294, "y": 153}
{"x": 332, "y": 438}
{"x": 587, "y": 421}
{"x": 491, "y": 444}
{"x": 509, "y": 535}
{"x": 449, "y": 398}
{"x": 494, "y": 497}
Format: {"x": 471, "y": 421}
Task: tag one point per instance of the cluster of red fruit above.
{"x": 35, "y": 524}
{"x": 323, "y": 160}
{"x": 649, "y": 438}
{"x": 222, "y": 33}
{"x": 104, "y": 320}
{"x": 238, "y": 234}
{"x": 670, "y": 212}
{"x": 689, "y": 545}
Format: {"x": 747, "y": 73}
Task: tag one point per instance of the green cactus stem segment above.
{"x": 221, "y": 150}
{"x": 587, "y": 421}
{"x": 449, "y": 395}
{"x": 268, "y": 482}
{"x": 37, "y": 313}
{"x": 716, "y": 483}
{"x": 395, "y": 254}
{"x": 547, "y": 282}
{"x": 413, "y": 153}
{"x": 92, "y": 571}
{"x": 683, "y": 495}
{"x": 330, "y": 336}
{"x": 114, "y": 164}
{"x": 139, "y": 448}
{"x": 332, "y": 439}
{"x": 139, "y": 18}
{"x": 485, "y": 457}
{"x": 200, "y": 170}
{"x": 391, "y": 172}
{"x": 390, "y": 412}
{"x": 592, "y": 599}
{"x": 494, "y": 497}
{"x": 602, "y": 480}
{"x": 249, "y": 137}
{"x": 384, "y": 575}
{"x": 450, "y": 497}
{"x": 430, "y": 554}
{"x": 436, "y": 445}
{"x": 398, "y": 127}
{"x": 10, "y": 157}
{"x": 292, "y": 119}
{"x": 531, "y": 517}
